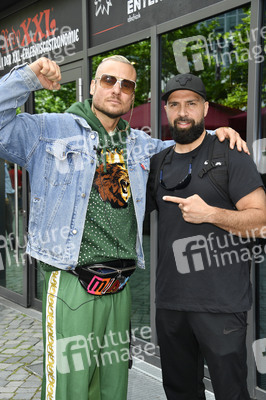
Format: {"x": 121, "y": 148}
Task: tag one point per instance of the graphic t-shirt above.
{"x": 110, "y": 227}
{"x": 202, "y": 267}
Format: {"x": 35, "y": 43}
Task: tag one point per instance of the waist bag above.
{"x": 105, "y": 278}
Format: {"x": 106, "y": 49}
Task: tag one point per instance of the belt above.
{"x": 105, "y": 278}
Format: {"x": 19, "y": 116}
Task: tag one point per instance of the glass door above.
{"x": 54, "y": 101}
{"x": 13, "y": 266}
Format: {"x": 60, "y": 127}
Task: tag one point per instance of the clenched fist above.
{"x": 48, "y": 73}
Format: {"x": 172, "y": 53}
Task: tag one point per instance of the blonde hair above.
{"x": 117, "y": 58}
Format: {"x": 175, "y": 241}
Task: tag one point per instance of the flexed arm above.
{"x": 20, "y": 134}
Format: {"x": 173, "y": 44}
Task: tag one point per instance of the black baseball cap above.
{"x": 184, "y": 82}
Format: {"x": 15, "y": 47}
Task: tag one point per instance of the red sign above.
{"x": 40, "y": 30}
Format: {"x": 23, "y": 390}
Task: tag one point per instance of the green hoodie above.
{"x": 110, "y": 230}
{"x": 106, "y": 141}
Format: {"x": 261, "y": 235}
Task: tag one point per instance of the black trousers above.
{"x": 220, "y": 338}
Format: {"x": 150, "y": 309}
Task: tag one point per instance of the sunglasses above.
{"x": 108, "y": 81}
{"x": 180, "y": 185}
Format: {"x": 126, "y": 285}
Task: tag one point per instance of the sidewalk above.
{"x": 21, "y": 346}
{"x": 21, "y": 359}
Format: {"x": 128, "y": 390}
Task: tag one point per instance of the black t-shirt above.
{"x": 202, "y": 267}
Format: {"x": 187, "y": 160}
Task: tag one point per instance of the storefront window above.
{"x": 13, "y": 242}
{"x": 260, "y": 271}
{"x": 216, "y": 50}
{"x": 139, "y": 55}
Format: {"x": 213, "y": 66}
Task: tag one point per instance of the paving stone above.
{"x": 4, "y": 366}
{"x": 24, "y": 353}
{"x": 12, "y": 384}
{"x": 39, "y": 355}
{"x": 35, "y": 384}
{"x": 25, "y": 344}
{"x": 14, "y": 325}
{"x": 25, "y": 394}
{"x": 5, "y": 396}
{"x": 32, "y": 341}
{"x": 12, "y": 337}
{"x": 13, "y": 360}
{"x": 17, "y": 377}
{"x": 3, "y": 382}
{"x": 29, "y": 359}
{"x": 13, "y": 367}
{"x": 33, "y": 378}
{"x": 6, "y": 389}
{"x": 4, "y": 374}
{"x": 10, "y": 351}
{"x": 39, "y": 348}
{"x": 22, "y": 396}
{"x": 11, "y": 344}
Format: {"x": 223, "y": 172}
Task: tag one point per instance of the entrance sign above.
{"x": 111, "y": 19}
{"x": 47, "y": 28}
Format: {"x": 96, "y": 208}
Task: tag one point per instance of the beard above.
{"x": 98, "y": 106}
{"x": 189, "y": 135}
{"x": 111, "y": 115}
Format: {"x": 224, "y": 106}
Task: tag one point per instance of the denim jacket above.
{"x": 58, "y": 151}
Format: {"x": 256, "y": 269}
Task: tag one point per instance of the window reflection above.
{"x": 216, "y": 50}
{"x": 13, "y": 243}
{"x": 9, "y": 208}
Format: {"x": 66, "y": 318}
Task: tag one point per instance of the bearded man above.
{"x": 203, "y": 289}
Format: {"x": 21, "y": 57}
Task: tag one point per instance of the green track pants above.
{"x": 86, "y": 341}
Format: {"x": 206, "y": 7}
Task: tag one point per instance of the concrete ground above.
{"x": 21, "y": 359}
